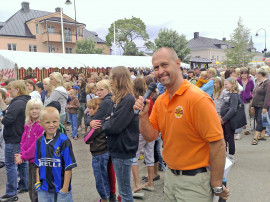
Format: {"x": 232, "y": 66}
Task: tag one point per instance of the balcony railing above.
{"x": 57, "y": 37}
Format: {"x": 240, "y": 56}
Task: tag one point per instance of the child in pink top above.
{"x": 32, "y": 131}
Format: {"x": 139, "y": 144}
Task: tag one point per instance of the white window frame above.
{"x": 52, "y": 49}
{"x": 51, "y": 29}
{"x": 32, "y": 48}
{"x": 37, "y": 29}
{"x": 13, "y": 46}
{"x": 68, "y": 50}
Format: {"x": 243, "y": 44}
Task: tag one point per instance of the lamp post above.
{"x": 264, "y": 51}
{"x": 68, "y": 2}
{"x": 62, "y": 29}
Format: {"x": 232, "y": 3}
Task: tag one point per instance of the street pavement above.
{"x": 248, "y": 180}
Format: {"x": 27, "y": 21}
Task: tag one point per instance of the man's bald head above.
{"x": 168, "y": 50}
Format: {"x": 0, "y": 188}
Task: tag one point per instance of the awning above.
{"x": 8, "y": 60}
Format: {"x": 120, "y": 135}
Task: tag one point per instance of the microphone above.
{"x": 151, "y": 88}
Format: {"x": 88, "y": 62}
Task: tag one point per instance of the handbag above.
{"x": 266, "y": 119}
{"x": 239, "y": 119}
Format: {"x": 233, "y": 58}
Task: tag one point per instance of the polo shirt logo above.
{"x": 179, "y": 111}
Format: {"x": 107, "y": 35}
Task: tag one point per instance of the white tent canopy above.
{"x": 9, "y": 59}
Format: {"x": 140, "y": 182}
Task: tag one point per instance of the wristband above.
{"x": 37, "y": 186}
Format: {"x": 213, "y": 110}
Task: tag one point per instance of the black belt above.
{"x": 189, "y": 172}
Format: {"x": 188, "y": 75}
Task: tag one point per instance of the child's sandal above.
{"x": 254, "y": 142}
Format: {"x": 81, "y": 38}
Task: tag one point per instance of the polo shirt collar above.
{"x": 184, "y": 86}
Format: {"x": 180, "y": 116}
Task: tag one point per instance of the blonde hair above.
{"x": 234, "y": 83}
{"x": 72, "y": 91}
{"x": 104, "y": 84}
{"x": 19, "y": 84}
{"x": 123, "y": 84}
{"x": 67, "y": 85}
{"x": 219, "y": 89}
{"x": 212, "y": 71}
{"x": 262, "y": 71}
{"x": 31, "y": 103}
{"x": 58, "y": 77}
{"x": 47, "y": 81}
{"x": 48, "y": 110}
{"x": 89, "y": 87}
{"x": 94, "y": 104}
{"x": 222, "y": 74}
{"x": 238, "y": 70}
{"x": 203, "y": 73}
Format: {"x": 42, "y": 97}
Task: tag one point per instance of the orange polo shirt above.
{"x": 187, "y": 122}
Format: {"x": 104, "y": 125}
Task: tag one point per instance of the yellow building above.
{"x": 40, "y": 31}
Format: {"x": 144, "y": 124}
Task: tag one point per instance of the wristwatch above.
{"x": 217, "y": 190}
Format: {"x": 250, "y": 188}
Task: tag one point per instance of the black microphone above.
{"x": 151, "y": 88}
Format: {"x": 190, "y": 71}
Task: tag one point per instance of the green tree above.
{"x": 170, "y": 38}
{"x": 267, "y": 54}
{"x": 126, "y": 30}
{"x": 239, "y": 54}
{"x": 87, "y": 46}
{"x": 131, "y": 49}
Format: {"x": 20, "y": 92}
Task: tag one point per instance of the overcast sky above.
{"x": 212, "y": 18}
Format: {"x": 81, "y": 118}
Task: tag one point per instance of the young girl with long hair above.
{"x": 219, "y": 93}
{"x": 122, "y": 128}
{"x": 227, "y": 111}
{"x": 100, "y": 155}
{"x": 32, "y": 131}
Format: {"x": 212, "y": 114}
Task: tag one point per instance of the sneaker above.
{"x": 2, "y": 164}
{"x": 9, "y": 198}
{"x": 238, "y": 136}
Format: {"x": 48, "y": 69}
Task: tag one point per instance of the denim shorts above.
{"x": 44, "y": 196}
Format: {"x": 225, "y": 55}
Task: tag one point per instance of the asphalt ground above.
{"x": 248, "y": 180}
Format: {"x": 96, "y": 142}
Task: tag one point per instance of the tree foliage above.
{"x": 131, "y": 49}
{"x": 126, "y": 30}
{"x": 239, "y": 54}
{"x": 87, "y": 46}
{"x": 170, "y": 38}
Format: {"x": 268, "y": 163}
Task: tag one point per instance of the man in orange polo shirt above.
{"x": 191, "y": 132}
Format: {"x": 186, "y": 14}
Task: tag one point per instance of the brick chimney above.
{"x": 224, "y": 39}
{"x": 58, "y": 9}
{"x": 196, "y": 35}
{"x": 25, "y": 6}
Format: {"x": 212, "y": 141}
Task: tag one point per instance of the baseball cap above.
{"x": 76, "y": 87}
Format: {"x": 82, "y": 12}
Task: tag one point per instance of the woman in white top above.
{"x": 31, "y": 86}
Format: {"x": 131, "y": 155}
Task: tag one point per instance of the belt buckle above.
{"x": 175, "y": 172}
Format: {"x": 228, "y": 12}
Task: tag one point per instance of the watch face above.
{"x": 218, "y": 190}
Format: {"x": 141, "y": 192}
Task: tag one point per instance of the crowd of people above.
{"x": 188, "y": 115}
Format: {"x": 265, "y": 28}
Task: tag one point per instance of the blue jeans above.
{"x": 73, "y": 121}
{"x": 44, "y": 196}
{"x": 100, "y": 168}
{"x": 161, "y": 163}
{"x": 122, "y": 169}
{"x": 11, "y": 169}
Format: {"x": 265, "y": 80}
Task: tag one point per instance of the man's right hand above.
{"x": 139, "y": 105}
{"x": 225, "y": 194}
